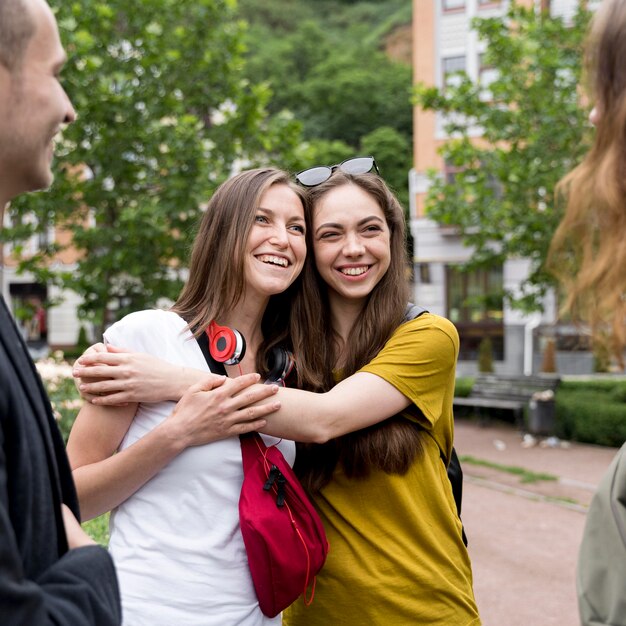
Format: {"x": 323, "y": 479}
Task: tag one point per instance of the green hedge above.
{"x": 593, "y": 412}
{"x": 589, "y": 411}
{"x": 463, "y": 386}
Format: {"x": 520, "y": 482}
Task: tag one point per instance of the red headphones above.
{"x": 228, "y": 346}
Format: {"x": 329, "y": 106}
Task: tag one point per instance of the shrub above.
{"x": 589, "y": 411}
{"x": 485, "y": 356}
{"x": 618, "y": 394}
{"x": 592, "y": 411}
{"x": 463, "y": 386}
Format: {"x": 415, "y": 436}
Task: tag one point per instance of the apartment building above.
{"x": 43, "y": 327}
{"x": 444, "y": 42}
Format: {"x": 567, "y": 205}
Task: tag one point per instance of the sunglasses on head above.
{"x": 317, "y": 175}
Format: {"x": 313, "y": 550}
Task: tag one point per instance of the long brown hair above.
{"x": 588, "y": 252}
{"x": 391, "y": 445}
{"x": 216, "y": 269}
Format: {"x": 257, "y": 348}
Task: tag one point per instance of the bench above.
{"x": 508, "y": 392}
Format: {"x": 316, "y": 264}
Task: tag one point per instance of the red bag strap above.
{"x": 251, "y": 446}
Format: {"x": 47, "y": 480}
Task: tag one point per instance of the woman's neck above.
{"x": 343, "y": 316}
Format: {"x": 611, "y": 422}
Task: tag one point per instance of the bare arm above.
{"x": 419, "y": 358}
{"x": 214, "y": 409}
{"x": 359, "y": 401}
{"x": 109, "y": 376}
{"x": 76, "y": 536}
{"x": 305, "y": 416}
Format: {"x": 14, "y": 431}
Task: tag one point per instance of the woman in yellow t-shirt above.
{"x": 376, "y": 416}
{"x": 381, "y": 428}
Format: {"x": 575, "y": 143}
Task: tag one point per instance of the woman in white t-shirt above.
{"x": 171, "y": 473}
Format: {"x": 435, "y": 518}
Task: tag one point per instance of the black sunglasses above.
{"x": 317, "y": 175}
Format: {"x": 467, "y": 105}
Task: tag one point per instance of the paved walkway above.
{"x": 524, "y": 536}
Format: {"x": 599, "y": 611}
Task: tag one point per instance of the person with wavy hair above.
{"x": 587, "y": 253}
{"x": 357, "y": 339}
{"x": 375, "y": 413}
{"x": 379, "y": 436}
{"x": 589, "y": 256}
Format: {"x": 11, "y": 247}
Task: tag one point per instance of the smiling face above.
{"x": 351, "y": 242}
{"x": 33, "y": 107}
{"x": 276, "y": 247}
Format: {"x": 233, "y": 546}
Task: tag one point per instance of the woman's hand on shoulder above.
{"x": 220, "y": 407}
{"x": 112, "y": 376}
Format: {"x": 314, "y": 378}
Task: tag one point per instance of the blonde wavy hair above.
{"x": 588, "y": 251}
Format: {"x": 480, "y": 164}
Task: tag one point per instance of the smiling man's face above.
{"x": 33, "y": 108}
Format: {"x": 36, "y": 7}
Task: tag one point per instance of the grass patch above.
{"x": 98, "y": 529}
{"x": 562, "y": 500}
{"x": 526, "y": 476}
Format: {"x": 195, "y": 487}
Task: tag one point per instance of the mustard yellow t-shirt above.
{"x": 396, "y": 553}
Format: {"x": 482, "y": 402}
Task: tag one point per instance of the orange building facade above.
{"x": 444, "y": 42}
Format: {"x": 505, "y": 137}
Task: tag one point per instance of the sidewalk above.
{"x": 524, "y": 536}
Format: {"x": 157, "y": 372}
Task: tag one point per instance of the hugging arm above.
{"x": 213, "y": 409}
{"x": 365, "y": 398}
{"x": 357, "y": 402}
{"x": 415, "y": 367}
{"x": 132, "y": 377}
{"x": 108, "y": 375}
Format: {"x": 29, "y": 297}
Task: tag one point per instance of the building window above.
{"x": 489, "y": 3}
{"x": 486, "y": 75}
{"x": 28, "y": 302}
{"x": 453, "y": 5}
{"x": 450, "y": 69}
{"x": 424, "y": 273}
{"x": 450, "y": 172}
{"x": 475, "y": 305}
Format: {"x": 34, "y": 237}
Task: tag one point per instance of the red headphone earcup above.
{"x": 226, "y": 345}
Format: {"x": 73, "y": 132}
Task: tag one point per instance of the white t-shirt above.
{"x": 176, "y": 542}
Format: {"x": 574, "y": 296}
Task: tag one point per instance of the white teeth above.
{"x": 274, "y": 260}
{"x": 355, "y": 271}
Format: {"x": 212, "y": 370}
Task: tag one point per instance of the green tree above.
{"x": 165, "y": 113}
{"x": 323, "y": 62}
{"x": 392, "y": 150}
{"x": 502, "y": 196}
{"x": 346, "y": 98}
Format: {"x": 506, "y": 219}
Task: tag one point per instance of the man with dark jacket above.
{"x": 51, "y": 572}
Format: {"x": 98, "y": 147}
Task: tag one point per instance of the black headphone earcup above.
{"x": 281, "y": 363}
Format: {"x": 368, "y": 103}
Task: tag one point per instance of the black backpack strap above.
{"x": 453, "y": 467}
{"x": 455, "y": 475}
{"x": 214, "y": 366}
{"x": 412, "y": 311}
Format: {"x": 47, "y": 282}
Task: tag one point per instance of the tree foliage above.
{"x": 323, "y": 64}
{"x": 501, "y": 197}
{"x": 172, "y": 97}
{"x": 165, "y": 113}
